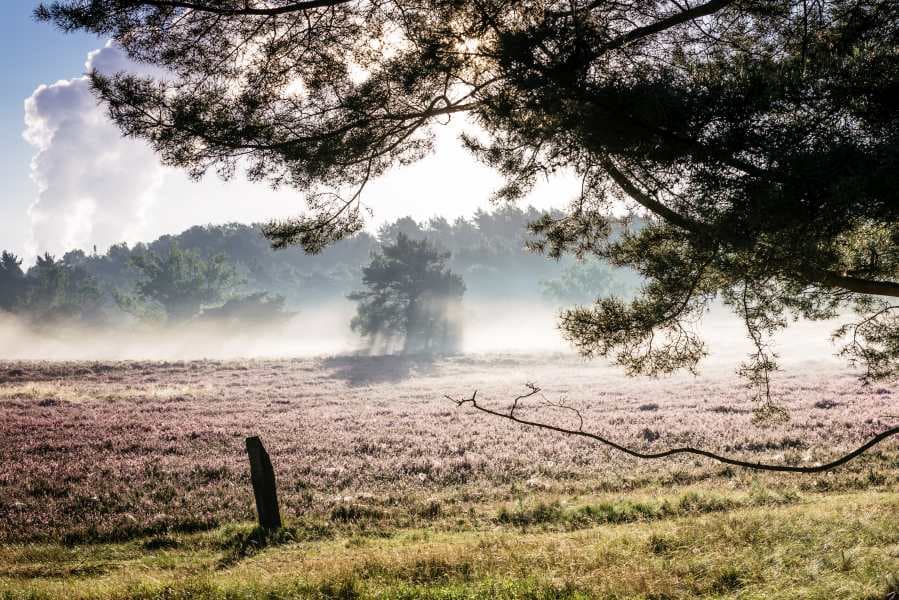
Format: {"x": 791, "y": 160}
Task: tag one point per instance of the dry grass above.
{"x": 47, "y": 393}
{"x": 836, "y": 546}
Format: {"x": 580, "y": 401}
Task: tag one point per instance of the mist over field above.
{"x": 488, "y": 326}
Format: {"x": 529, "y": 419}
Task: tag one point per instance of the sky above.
{"x": 31, "y": 54}
{"x": 71, "y": 180}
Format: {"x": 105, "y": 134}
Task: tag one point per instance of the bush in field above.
{"x": 584, "y": 282}
{"x": 410, "y": 295}
{"x": 253, "y": 309}
{"x": 178, "y": 284}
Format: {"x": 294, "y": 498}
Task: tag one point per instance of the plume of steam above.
{"x": 94, "y": 186}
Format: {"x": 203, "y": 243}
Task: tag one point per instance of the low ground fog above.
{"x": 316, "y": 330}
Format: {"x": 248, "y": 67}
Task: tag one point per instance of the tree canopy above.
{"x": 760, "y": 137}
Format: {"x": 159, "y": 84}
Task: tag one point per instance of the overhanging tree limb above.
{"x": 813, "y": 275}
{"x": 852, "y": 284}
{"x": 242, "y": 12}
{"x": 661, "y": 25}
{"x": 758, "y": 466}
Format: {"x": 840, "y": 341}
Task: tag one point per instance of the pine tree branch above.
{"x": 241, "y": 12}
{"x": 821, "y": 277}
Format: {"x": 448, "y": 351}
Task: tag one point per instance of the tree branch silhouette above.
{"x": 533, "y": 390}
{"x": 236, "y": 11}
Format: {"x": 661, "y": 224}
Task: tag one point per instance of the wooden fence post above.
{"x": 263, "y": 477}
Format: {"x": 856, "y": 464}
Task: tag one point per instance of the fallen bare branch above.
{"x": 534, "y": 390}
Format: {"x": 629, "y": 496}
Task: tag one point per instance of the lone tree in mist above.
{"x": 760, "y": 138}
{"x": 179, "y": 283}
{"x": 410, "y": 295}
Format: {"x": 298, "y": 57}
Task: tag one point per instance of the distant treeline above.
{"x": 231, "y": 270}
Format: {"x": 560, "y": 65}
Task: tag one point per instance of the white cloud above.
{"x": 95, "y": 187}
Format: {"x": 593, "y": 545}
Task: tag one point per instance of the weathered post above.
{"x": 262, "y": 474}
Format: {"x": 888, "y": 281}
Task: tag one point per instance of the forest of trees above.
{"x": 230, "y": 271}
{"x": 407, "y": 280}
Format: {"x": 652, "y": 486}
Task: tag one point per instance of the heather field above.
{"x": 130, "y": 480}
